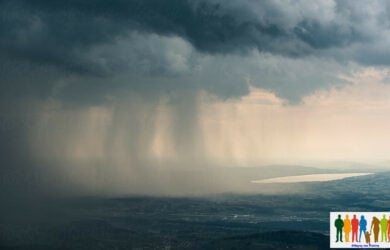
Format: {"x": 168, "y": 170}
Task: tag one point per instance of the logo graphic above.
{"x": 360, "y": 229}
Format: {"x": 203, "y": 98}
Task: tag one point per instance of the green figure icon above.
{"x": 347, "y": 228}
{"x": 384, "y": 229}
{"x": 339, "y": 224}
{"x": 375, "y": 224}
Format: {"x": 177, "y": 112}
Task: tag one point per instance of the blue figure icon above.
{"x": 363, "y": 227}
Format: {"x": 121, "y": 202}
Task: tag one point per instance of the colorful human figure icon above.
{"x": 367, "y": 236}
{"x": 347, "y": 227}
{"x": 384, "y": 229}
{"x": 388, "y": 229}
{"x": 355, "y": 227}
{"x": 363, "y": 227}
{"x": 339, "y": 224}
{"x": 375, "y": 225}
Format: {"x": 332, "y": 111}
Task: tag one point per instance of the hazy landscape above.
{"x": 296, "y": 216}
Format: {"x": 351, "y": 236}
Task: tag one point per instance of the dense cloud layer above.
{"x": 44, "y": 42}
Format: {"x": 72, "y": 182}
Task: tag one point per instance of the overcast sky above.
{"x": 96, "y": 91}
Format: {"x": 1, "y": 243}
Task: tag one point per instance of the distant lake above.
{"x": 310, "y": 178}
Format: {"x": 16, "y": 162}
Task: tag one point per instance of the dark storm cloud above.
{"x": 56, "y": 32}
{"x": 322, "y": 37}
{"x": 46, "y": 31}
{"x": 44, "y": 41}
{"x": 209, "y": 25}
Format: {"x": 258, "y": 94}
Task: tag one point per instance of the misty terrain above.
{"x": 297, "y": 217}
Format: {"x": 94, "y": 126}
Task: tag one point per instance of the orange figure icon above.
{"x": 355, "y": 228}
{"x": 383, "y": 229}
{"x": 375, "y": 224}
{"x": 347, "y": 227}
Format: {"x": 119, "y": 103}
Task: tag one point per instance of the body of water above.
{"x": 310, "y": 178}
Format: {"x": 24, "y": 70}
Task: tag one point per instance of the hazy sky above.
{"x": 101, "y": 91}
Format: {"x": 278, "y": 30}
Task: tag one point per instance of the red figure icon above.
{"x": 355, "y": 228}
{"x": 388, "y": 229}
